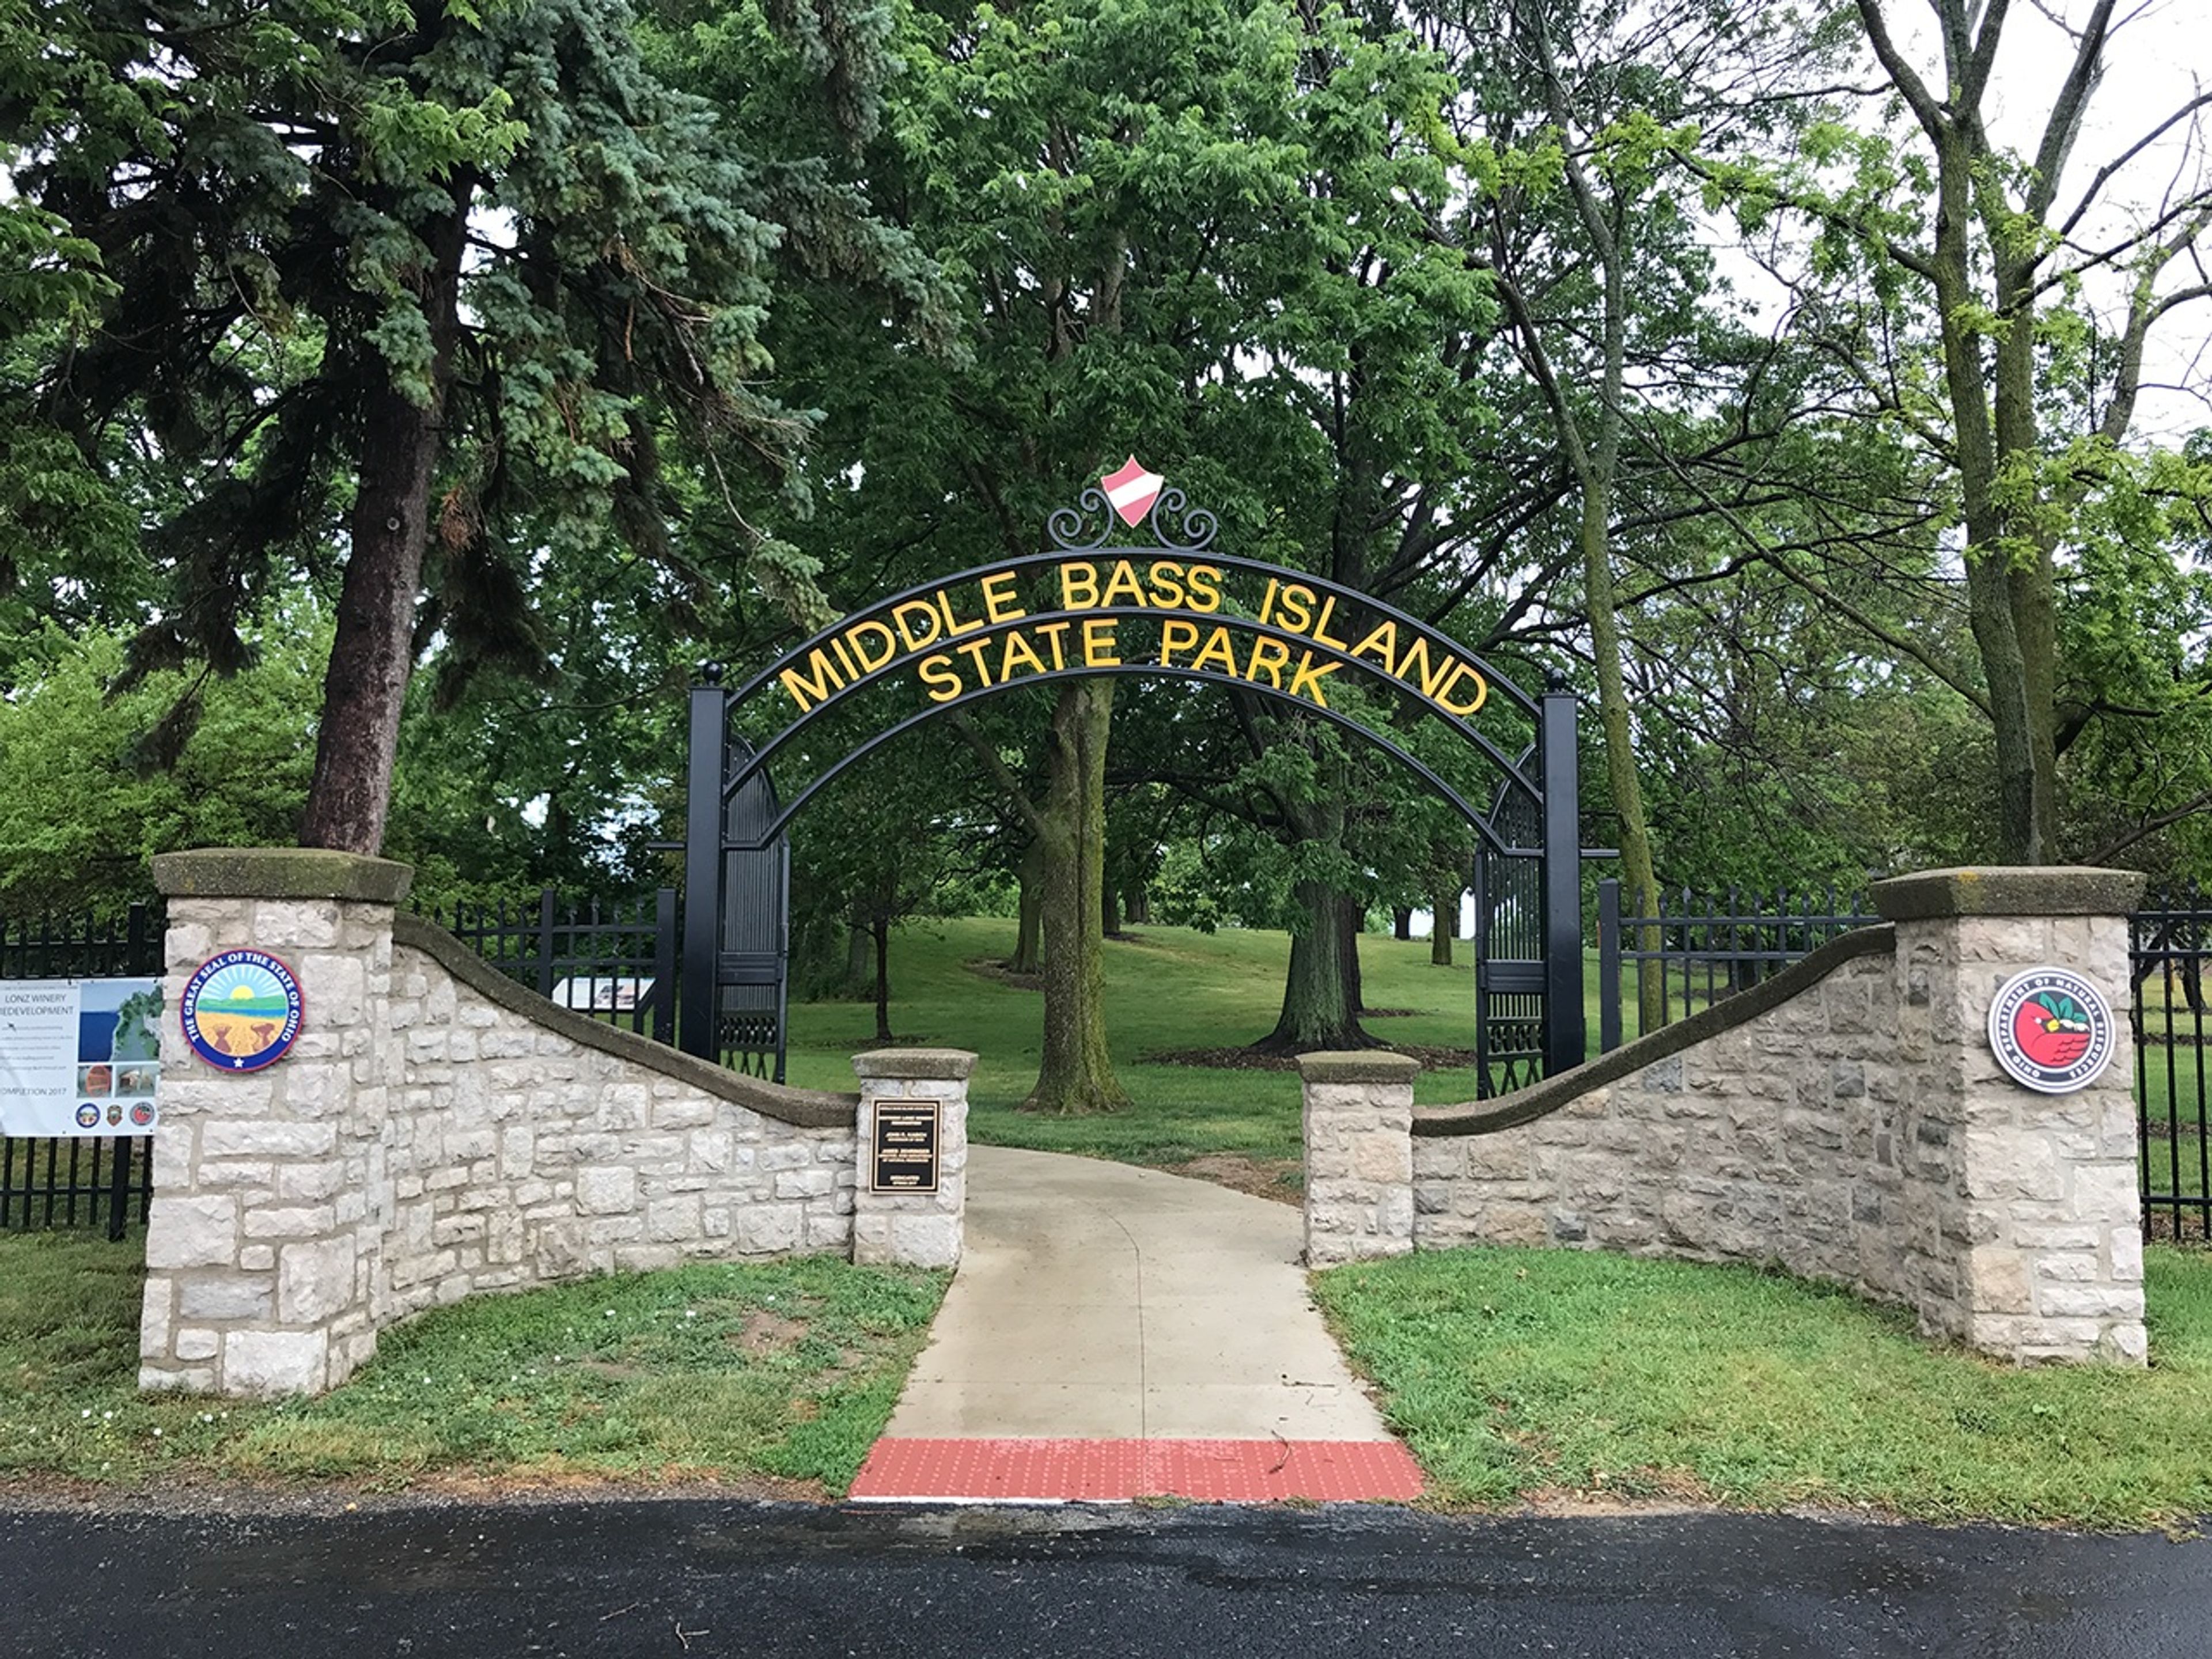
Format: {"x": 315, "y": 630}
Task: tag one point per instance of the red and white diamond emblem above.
{"x": 1132, "y": 491}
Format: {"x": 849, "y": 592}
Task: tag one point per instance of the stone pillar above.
{"x": 2026, "y": 1205}
{"x": 263, "y": 1244}
{"x": 1358, "y": 1117}
{"x": 918, "y": 1229}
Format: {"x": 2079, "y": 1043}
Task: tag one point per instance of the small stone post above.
{"x": 1359, "y": 1116}
{"x": 261, "y": 1251}
{"x": 2035, "y": 1217}
{"x": 919, "y": 1229}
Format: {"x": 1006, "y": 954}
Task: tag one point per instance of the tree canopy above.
{"x": 437, "y": 384}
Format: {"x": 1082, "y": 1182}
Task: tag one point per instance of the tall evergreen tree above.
{"x": 408, "y": 295}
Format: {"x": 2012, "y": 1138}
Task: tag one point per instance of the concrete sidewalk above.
{"x": 1098, "y": 1301}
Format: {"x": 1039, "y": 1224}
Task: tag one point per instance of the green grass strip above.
{"x": 1514, "y": 1373}
{"x": 786, "y": 1371}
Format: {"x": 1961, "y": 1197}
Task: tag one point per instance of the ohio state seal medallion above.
{"x": 2051, "y": 1031}
{"x": 241, "y": 1011}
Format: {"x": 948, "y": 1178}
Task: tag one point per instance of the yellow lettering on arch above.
{"x": 904, "y": 615}
{"x": 1382, "y": 644}
{"x": 1018, "y": 652}
{"x": 1481, "y": 690}
{"x": 943, "y": 680}
{"x": 1306, "y": 681}
{"x": 1123, "y": 586}
{"x": 1270, "y": 656}
{"x": 859, "y": 633}
{"x": 1219, "y": 650}
{"x": 811, "y": 685}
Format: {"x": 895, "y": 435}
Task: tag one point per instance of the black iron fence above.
{"x": 2167, "y": 947}
{"x": 613, "y": 961}
{"x": 1701, "y": 947}
{"x": 89, "y": 1181}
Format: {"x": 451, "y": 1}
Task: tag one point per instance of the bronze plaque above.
{"x": 906, "y": 1147}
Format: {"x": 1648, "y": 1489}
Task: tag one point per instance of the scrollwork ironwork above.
{"x": 1070, "y": 532}
{"x": 1069, "y": 525}
{"x": 1199, "y": 524}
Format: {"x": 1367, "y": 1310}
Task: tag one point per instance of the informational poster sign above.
{"x": 80, "y": 1057}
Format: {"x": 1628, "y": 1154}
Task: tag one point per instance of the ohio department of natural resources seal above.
{"x": 241, "y": 1011}
{"x": 2051, "y": 1031}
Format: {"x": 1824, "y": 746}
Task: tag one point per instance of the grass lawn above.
{"x": 1519, "y": 1372}
{"x": 1170, "y": 989}
{"x": 776, "y": 1376}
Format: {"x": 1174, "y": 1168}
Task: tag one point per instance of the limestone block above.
{"x": 2002, "y": 1164}
{"x": 926, "y": 1240}
{"x": 338, "y": 987}
{"x": 687, "y": 1112}
{"x": 2101, "y": 1301}
{"x": 228, "y": 1295}
{"x": 672, "y": 1218}
{"x": 767, "y": 1229}
{"x": 270, "y": 1363}
{"x": 310, "y": 1183}
{"x": 815, "y": 1183}
{"x": 302, "y": 1222}
{"x": 1513, "y": 1224}
{"x": 1999, "y": 1277}
{"x": 2125, "y": 1253}
{"x": 192, "y": 1230}
{"x": 222, "y": 1137}
{"x": 198, "y": 1344}
{"x": 315, "y": 1281}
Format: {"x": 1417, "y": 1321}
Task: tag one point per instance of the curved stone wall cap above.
{"x": 1563, "y": 1089}
{"x": 2000, "y": 889}
{"x": 916, "y": 1065}
{"x": 281, "y": 872}
{"x": 1357, "y": 1066}
{"x": 805, "y": 1108}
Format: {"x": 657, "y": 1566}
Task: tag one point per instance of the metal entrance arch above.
{"x": 736, "y": 919}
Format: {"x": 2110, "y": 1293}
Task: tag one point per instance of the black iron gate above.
{"x": 89, "y": 1180}
{"x": 737, "y": 860}
{"x": 1510, "y": 979}
{"x": 737, "y": 897}
{"x": 2169, "y": 943}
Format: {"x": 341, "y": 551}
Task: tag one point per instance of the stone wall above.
{"x": 1358, "y": 1113}
{"x": 923, "y": 1229}
{"x": 516, "y": 1153}
{"x": 438, "y": 1130}
{"x": 1848, "y": 1121}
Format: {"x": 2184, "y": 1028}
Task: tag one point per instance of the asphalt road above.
{"x": 707, "y": 1579}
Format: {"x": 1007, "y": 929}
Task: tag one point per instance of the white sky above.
{"x": 2156, "y": 61}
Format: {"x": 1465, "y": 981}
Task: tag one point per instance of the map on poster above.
{"x": 80, "y": 1056}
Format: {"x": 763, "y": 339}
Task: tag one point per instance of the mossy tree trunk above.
{"x": 881, "y": 928}
{"x": 1321, "y": 993}
{"x": 1028, "y": 931}
{"x": 1077, "y": 1074}
{"x": 1445, "y": 927}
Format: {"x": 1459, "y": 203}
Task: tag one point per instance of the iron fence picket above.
{"x": 584, "y": 944}
{"x": 2167, "y": 949}
{"x": 1709, "y": 947}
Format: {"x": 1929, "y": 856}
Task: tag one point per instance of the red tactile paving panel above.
{"x": 1105, "y": 1471}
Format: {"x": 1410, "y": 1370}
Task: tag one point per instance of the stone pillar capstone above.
{"x": 1358, "y": 1124}
{"x": 261, "y": 1249}
{"x": 2037, "y": 1218}
{"x": 914, "y": 1225}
